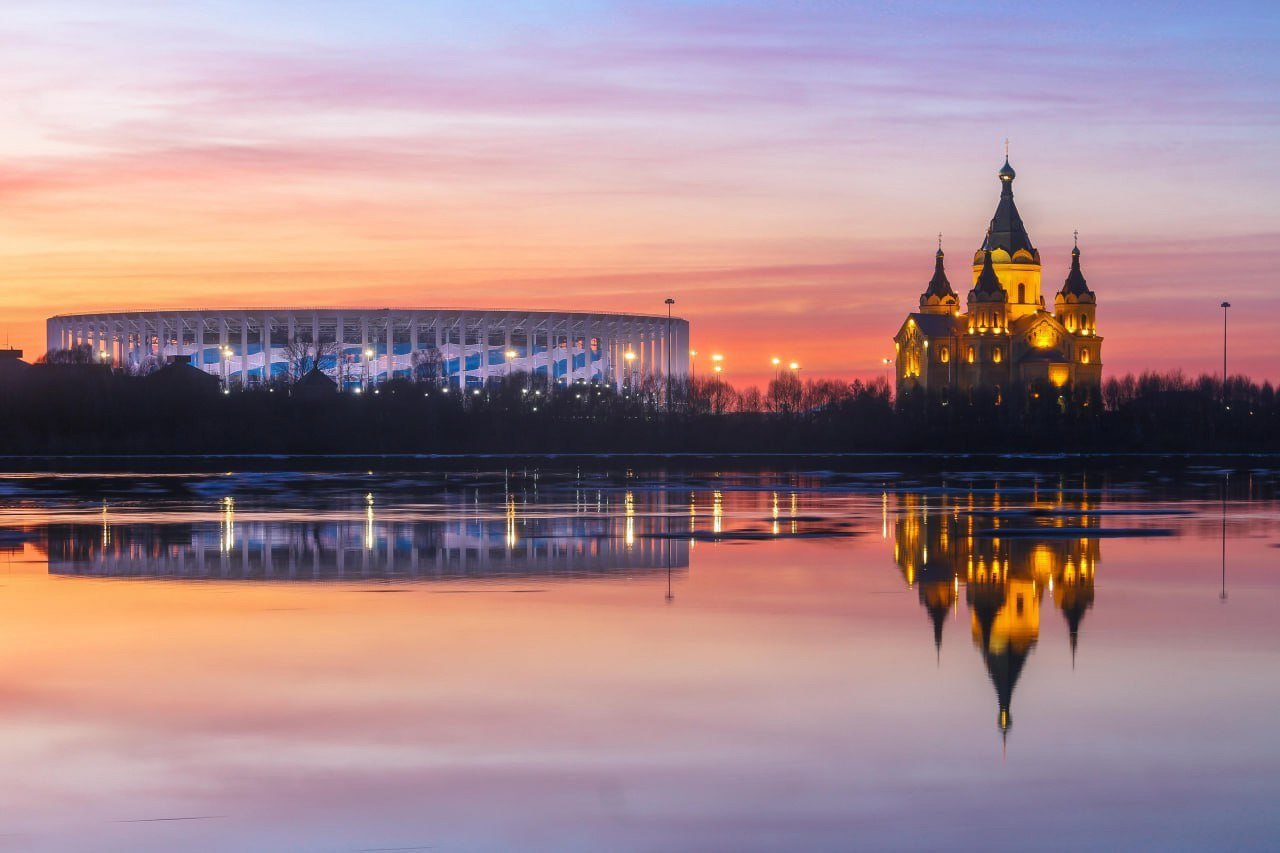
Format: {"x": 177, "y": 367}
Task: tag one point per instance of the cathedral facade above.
{"x": 1006, "y": 336}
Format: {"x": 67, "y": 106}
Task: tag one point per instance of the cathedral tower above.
{"x": 1016, "y": 262}
{"x": 938, "y": 297}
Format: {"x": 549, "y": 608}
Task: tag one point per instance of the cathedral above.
{"x": 1007, "y": 336}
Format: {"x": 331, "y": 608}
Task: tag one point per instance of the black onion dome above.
{"x": 1075, "y": 285}
{"x": 988, "y": 283}
{"x": 939, "y": 286}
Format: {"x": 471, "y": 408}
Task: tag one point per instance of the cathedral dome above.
{"x": 1006, "y": 172}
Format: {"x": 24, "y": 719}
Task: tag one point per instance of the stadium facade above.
{"x": 360, "y": 347}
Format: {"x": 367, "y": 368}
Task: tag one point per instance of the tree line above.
{"x": 69, "y": 406}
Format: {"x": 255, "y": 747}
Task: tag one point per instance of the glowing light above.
{"x": 228, "y": 524}
{"x": 717, "y": 357}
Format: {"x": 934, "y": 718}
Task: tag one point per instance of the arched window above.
{"x": 996, "y": 355}
{"x": 971, "y": 355}
{"x": 1022, "y": 292}
{"x": 944, "y": 354}
{"x": 1084, "y": 356}
{"x": 1084, "y": 323}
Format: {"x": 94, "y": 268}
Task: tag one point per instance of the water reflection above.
{"x": 450, "y": 541}
{"x": 954, "y": 543}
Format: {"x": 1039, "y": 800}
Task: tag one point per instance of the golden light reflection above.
{"x": 511, "y": 523}
{"x": 227, "y": 539}
{"x": 1004, "y": 578}
{"x": 717, "y": 512}
{"x": 629, "y": 509}
{"x": 368, "y": 522}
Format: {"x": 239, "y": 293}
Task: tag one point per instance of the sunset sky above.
{"x": 780, "y": 169}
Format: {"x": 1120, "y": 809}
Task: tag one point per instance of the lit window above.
{"x": 944, "y": 354}
{"x": 1084, "y": 356}
{"x": 996, "y": 355}
{"x": 971, "y": 355}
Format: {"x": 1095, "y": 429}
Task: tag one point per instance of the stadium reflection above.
{"x": 447, "y": 541}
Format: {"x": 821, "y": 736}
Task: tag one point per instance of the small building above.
{"x": 315, "y": 384}
{"x": 12, "y": 368}
{"x": 181, "y": 377}
{"x": 1006, "y": 335}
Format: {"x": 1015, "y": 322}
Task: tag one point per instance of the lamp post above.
{"x": 630, "y": 356}
{"x": 888, "y": 363}
{"x": 669, "y": 302}
{"x": 511, "y": 355}
{"x": 226, "y": 368}
{"x": 693, "y": 364}
{"x": 1224, "y": 306}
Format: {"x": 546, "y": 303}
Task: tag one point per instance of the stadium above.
{"x": 359, "y": 348}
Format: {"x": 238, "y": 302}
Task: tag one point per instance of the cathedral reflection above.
{"x": 459, "y": 540}
{"x": 1003, "y": 559}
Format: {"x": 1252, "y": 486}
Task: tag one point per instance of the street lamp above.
{"x": 511, "y": 355}
{"x": 693, "y": 363}
{"x": 777, "y": 367}
{"x": 1224, "y": 306}
{"x": 226, "y": 368}
{"x": 630, "y": 357}
{"x": 368, "y": 366}
{"x": 888, "y": 363}
{"x": 669, "y": 302}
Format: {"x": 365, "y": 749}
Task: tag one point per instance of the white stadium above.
{"x": 360, "y": 347}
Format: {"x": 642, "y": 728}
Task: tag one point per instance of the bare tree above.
{"x": 427, "y": 365}
{"x": 302, "y": 355}
{"x": 79, "y": 354}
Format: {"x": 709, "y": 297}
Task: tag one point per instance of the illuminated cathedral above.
{"x": 1007, "y": 336}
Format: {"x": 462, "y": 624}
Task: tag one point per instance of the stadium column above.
{"x": 462, "y": 352}
{"x": 413, "y": 341}
{"x": 222, "y": 347}
{"x": 244, "y": 350}
{"x": 484, "y": 349}
{"x": 549, "y": 355}
{"x": 341, "y": 371}
{"x": 266, "y": 350}
{"x": 391, "y": 340}
{"x": 364, "y": 351}
{"x": 199, "y": 360}
{"x": 315, "y": 337}
{"x": 444, "y": 367}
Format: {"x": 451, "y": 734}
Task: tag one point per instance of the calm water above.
{"x": 560, "y": 660}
